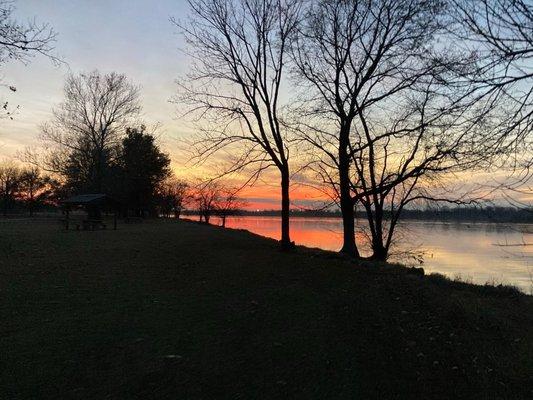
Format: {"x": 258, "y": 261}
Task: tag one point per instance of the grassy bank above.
{"x": 166, "y": 310}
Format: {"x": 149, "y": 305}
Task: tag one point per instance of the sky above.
{"x": 134, "y": 37}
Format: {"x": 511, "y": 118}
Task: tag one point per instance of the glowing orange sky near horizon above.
{"x": 268, "y": 197}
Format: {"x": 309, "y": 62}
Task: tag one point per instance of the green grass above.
{"x": 177, "y": 310}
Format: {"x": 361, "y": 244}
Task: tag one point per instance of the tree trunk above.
{"x": 286, "y": 243}
{"x": 349, "y": 246}
{"x": 380, "y": 253}
{"x": 348, "y": 228}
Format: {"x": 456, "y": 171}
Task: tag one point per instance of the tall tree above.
{"x": 143, "y": 167}
{"x": 359, "y": 64}
{"x": 240, "y": 51}
{"x": 83, "y": 139}
{"x": 405, "y": 156}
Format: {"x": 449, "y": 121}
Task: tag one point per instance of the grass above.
{"x": 178, "y": 310}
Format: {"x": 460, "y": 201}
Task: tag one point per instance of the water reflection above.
{"x": 480, "y": 252}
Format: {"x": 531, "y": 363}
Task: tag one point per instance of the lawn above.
{"x": 178, "y": 310}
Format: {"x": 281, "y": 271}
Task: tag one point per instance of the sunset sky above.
{"x": 131, "y": 37}
{"x": 134, "y": 37}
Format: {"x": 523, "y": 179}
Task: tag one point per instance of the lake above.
{"x": 477, "y": 252}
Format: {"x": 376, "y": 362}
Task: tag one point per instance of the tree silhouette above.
{"x": 143, "y": 167}
{"x": 500, "y": 32}
{"x": 239, "y": 48}
{"x": 84, "y": 138}
{"x": 379, "y": 106}
{"x": 206, "y": 196}
{"x": 173, "y": 195}
{"x": 35, "y": 188}
{"x": 228, "y": 203}
{"x": 10, "y": 179}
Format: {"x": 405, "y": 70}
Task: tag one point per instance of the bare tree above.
{"x": 378, "y": 101}
{"x": 407, "y": 155}
{"x": 22, "y": 41}
{"x": 35, "y": 188}
{"x": 206, "y": 196}
{"x": 500, "y": 32}
{"x": 229, "y": 203}
{"x": 240, "y": 50}
{"x": 82, "y": 139}
{"x": 173, "y": 196}
{"x": 214, "y": 198}
{"x": 350, "y": 56}
{"x": 10, "y": 178}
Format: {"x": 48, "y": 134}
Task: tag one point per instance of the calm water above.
{"x": 476, "y": 251}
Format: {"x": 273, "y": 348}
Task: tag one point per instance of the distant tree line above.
{"x": 443, "y": 213}
{"x": 25, "y": 189}
{"x": 481, "y": 214}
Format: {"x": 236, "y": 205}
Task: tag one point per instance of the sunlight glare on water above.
{"x": 477, "y": 252}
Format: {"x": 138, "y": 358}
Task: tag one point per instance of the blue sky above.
{"x": 134, "y": 37}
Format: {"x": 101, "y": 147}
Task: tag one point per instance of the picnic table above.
{"x": 94, "y": 205}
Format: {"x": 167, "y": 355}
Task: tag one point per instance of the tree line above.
{"x": 96, "y": 144}
{"x": 25, "y": 188}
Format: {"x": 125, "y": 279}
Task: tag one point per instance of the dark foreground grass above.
{"x": 176, "y": 310}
